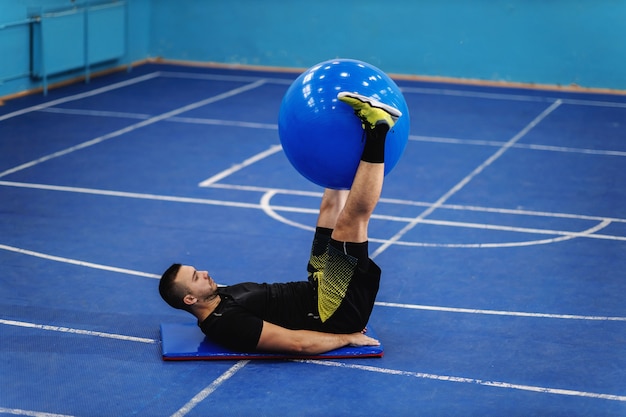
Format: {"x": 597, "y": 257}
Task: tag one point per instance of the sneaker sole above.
{"x": 373, "y": 103}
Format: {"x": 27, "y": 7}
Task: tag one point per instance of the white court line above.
{"x": 80, "y": 96}
{"x": 135, "y": 126}
{"x": 413, "y": 90}
{"x": 544, "y": 390}
{"x": 256, "y": 188}
{"x": 222, "y": 77}
{"x": 177, "y": 119}
{"x": 596, "y": 103}
{"x": 274, "y": 126}
{"x": 229, "y": 373}
{"x": 77, "y": 331}
{"x": 500, "y": 312}
{"x": 457, "y": 207}
{"x": 76, "y": 262}
{"x": 199, "y": 397}
{"x": 467, "y": 179}
{"x": 97, "y": 113}
{"x": 237, "y": 167}
{"x": 589, "y": 233}
{"x": 20, "y": 412}
{"x": 124, "y": 194}
{"x": 271, "y": 211}
{"x": 475, "y": 94}
{"x": 384, "y": 304}
{"x": 219, "y": 122}
{"x": 215, "y": 384}
{"x": 512, "y": 97}
{"x": 516, "y": 146}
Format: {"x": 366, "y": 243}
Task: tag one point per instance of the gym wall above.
{"x": 556, "y": 42}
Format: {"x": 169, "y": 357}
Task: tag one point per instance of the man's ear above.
{"x": 190, "y": 300}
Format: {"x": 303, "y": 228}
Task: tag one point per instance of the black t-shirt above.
{"x": 238, "y": 319}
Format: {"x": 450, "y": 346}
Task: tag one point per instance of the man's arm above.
{"x": 278, "y": 339}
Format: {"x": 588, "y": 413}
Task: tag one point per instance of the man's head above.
{"x": 171, "y": 291}
{"x": 183, "y": 287}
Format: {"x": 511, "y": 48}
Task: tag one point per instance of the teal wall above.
{"x": 555, "y": 42}
{"x": 558, "y": 42}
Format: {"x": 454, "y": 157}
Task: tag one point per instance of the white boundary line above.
{"x": 533, "y": 147}
{"x": 97, "y": 113}
{"x": 20, "y": 412}
{"x": 418, "y": 90}
{"x": 199, "y": 397}
{"x": 512, "y": 97}
{"x": 224, "y": 77}
{"x": 500, "y": 312}
{"x": 274, "y": 126}
{"x": 380, "y": 303}
{"x": 544, "y": 390}
{"x": 81, "y": 95}
{"x": 230, "y": 372}
{"x": 456, "y": 207}
{"x": 77, "y": 262}
{"x": 271, "y": 211}
{"x": 135, "y": 126}
{"x": 125, "y": 194}
{"x": 220, "y": 122}
{"x": 77, "y": 331}
{"x": 467, "y": 179}
{"x": 238, "y": 167}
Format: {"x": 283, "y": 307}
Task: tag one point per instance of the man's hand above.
{"x": 278, "y": 339}
{"x": 361, "y": 339}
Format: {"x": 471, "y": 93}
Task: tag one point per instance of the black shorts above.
{"x": 347, "y": 283}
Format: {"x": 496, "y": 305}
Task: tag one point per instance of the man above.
{"x": 329, "y": 310}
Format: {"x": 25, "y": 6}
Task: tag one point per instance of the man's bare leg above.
{"x": 352, "y": 223}
{"x": 333, "y": 202}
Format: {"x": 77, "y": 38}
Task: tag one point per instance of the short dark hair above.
{"x": 171, "y": 291}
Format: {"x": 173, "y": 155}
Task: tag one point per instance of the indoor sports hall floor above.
{"x": 501, "y": 235}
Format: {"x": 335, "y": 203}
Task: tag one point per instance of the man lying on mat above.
{"x": 331, "y": 309}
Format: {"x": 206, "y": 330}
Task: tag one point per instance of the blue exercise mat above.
{"x": 186, "y": 342}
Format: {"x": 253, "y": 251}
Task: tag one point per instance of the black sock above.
{"x": 320, "y": 240}
{"x": 374, "y": 149}
{"x": 323, "y": 230}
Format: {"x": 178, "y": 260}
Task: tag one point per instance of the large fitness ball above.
{"x": 321, "y": 136}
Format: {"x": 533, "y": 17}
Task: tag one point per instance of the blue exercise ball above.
{"x": 321, "y": 136}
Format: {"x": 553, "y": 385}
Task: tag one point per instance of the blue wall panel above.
{"x": 106, "y": 33}
{"x": 14, "y": 57}
{"x": 63, "y": 24}
{"x": 59, "y": 43}
{"x": 78, "y": 38}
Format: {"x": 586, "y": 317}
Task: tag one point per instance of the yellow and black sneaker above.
{"x": 371, "y": 111}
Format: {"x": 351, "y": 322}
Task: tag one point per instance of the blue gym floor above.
{"x": 501, "y": 235}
